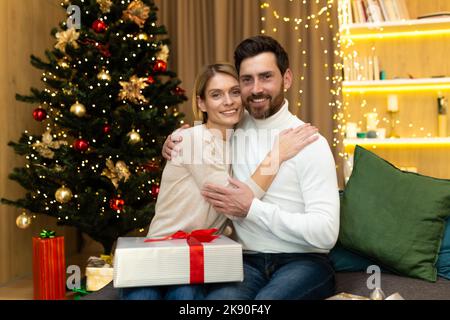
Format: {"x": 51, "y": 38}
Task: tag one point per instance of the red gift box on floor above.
{"x": 49, "y": 268}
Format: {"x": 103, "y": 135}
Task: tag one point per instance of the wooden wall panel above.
{"x": 25, "y": 27}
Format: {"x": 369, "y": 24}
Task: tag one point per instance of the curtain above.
{"x": 207, "y": 31}
{"x": 203, "y": 32}
{"x": 308, "y": 30}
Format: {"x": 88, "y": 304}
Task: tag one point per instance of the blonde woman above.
{"x": 205, "y": 158}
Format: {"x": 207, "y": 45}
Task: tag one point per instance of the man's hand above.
{"x": 169, "y": 150}
{"x": 233, "y": 200}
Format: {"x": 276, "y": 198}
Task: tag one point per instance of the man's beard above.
{"x": 261, "y": 114}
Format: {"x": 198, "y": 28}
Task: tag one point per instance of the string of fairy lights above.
{"x": 313, "y": 21}
{"x": 345, "y": 53}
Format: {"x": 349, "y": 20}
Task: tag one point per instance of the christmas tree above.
{"x": 109, "y": 102}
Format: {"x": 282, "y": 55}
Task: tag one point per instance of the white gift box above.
{"x": 138, "y": 263}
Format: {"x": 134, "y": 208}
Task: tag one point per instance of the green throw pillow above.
{"x": 393, "y": 217}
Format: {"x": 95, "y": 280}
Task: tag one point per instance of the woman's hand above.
{"x": 291, "y": 141}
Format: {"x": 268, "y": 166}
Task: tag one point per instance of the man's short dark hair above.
{"x": 253, "y": 46}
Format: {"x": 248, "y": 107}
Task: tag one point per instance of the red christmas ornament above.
{"x": 160, "y": 66}
{"x": 155, "y": 190}
{"x": 39, "y": 114}
{"x": 116, "y": 204}
{"x": 81, "y": 145}
{"x": 150, "y": 80}
{"x": 106, "y": 128}
{"x": 99, "y": 26}
{"x": 179, "y": 91}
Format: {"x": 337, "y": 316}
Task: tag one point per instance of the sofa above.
{"x": 396, "y": 220}
{"x": 350, "y": 282}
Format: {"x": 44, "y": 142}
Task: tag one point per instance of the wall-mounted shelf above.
{"x": 397, "y": 143}
{"x": 395, "y": 29}
{"x": 396, "y": 85}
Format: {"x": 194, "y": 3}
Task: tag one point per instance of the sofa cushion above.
{"x": 344, "y": 260}
{"x": 392, "y": 217}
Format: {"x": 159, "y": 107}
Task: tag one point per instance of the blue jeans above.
{"x": 179, "y": 292}
{"x": 280, "y": 276}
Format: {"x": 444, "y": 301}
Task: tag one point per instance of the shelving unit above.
{"x": 397, "y": 85}
{"x": 413, "y": 55}
{"x": 397, "y": 143}
{"x": 394, "y": 29}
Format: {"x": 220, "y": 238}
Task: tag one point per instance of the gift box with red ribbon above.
{"x": 182, "y": 258}
{"x": 49, "y": 268}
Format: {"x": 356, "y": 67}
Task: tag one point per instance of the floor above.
{"x": 22, "y": 289}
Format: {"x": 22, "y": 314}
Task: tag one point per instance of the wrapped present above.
{"x": 99, "y": 272}
{"x": 49, "y": 267}
{"x": 377, "y": 294}
{"x": 347, "y": 296}
{"x": 183, "y": 258}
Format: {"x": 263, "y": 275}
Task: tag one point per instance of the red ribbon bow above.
{"x": 196, "y": 254}
{"x": 104, "y": 49}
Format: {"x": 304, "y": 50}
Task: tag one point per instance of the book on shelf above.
{"x": 384, "y": 10}
{"x": 356, "y": 18}
{"x": 397, "y": 10}
{"x": 362, "y": 10}
{"x": 376, "y": 68}
{"x": 367, "y": 11}
{"x": 390, "y": 12}
{"x": 362, "y": 68}
{"x": 374, "y": 11}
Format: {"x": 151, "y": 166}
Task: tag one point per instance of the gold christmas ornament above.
{"x": 134, "y": 137}
{"x": 143, "y": 36}
{"x": 63, "y": 64}
{"x": 63, "y": 195}
{"x": 132, "y": 90}
{"x": 23, "y": 221}
{"x": 105, "y": 5}
{"x": 45, "y": 147}
{"x": 78, "y": 109}
{"x": 117, "y": 172}
{"x": 68, "y": 37}
{"x": 137, "y": 12}
{"x": 104, "y": 75}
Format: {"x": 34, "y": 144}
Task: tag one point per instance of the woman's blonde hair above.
{"x": 201, "y": 83}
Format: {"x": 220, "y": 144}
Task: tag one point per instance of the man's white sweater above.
{"x": 300, "y": 210}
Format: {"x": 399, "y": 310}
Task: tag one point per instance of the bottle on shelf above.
{"x": 442, "y": 116}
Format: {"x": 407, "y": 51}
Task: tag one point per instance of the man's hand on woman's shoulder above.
{"x": 168, "y": 150}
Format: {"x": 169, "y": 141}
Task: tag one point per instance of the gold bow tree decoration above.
{"x": 137, "y": 12}
{"x": 47, "y": 145}
{"x": 105, "y": 5}
{"x": 132, "y": 90}
{"x": 163, "y": 54}
{"x": 68, "y": 37}
{"x": 116, "y": 172}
